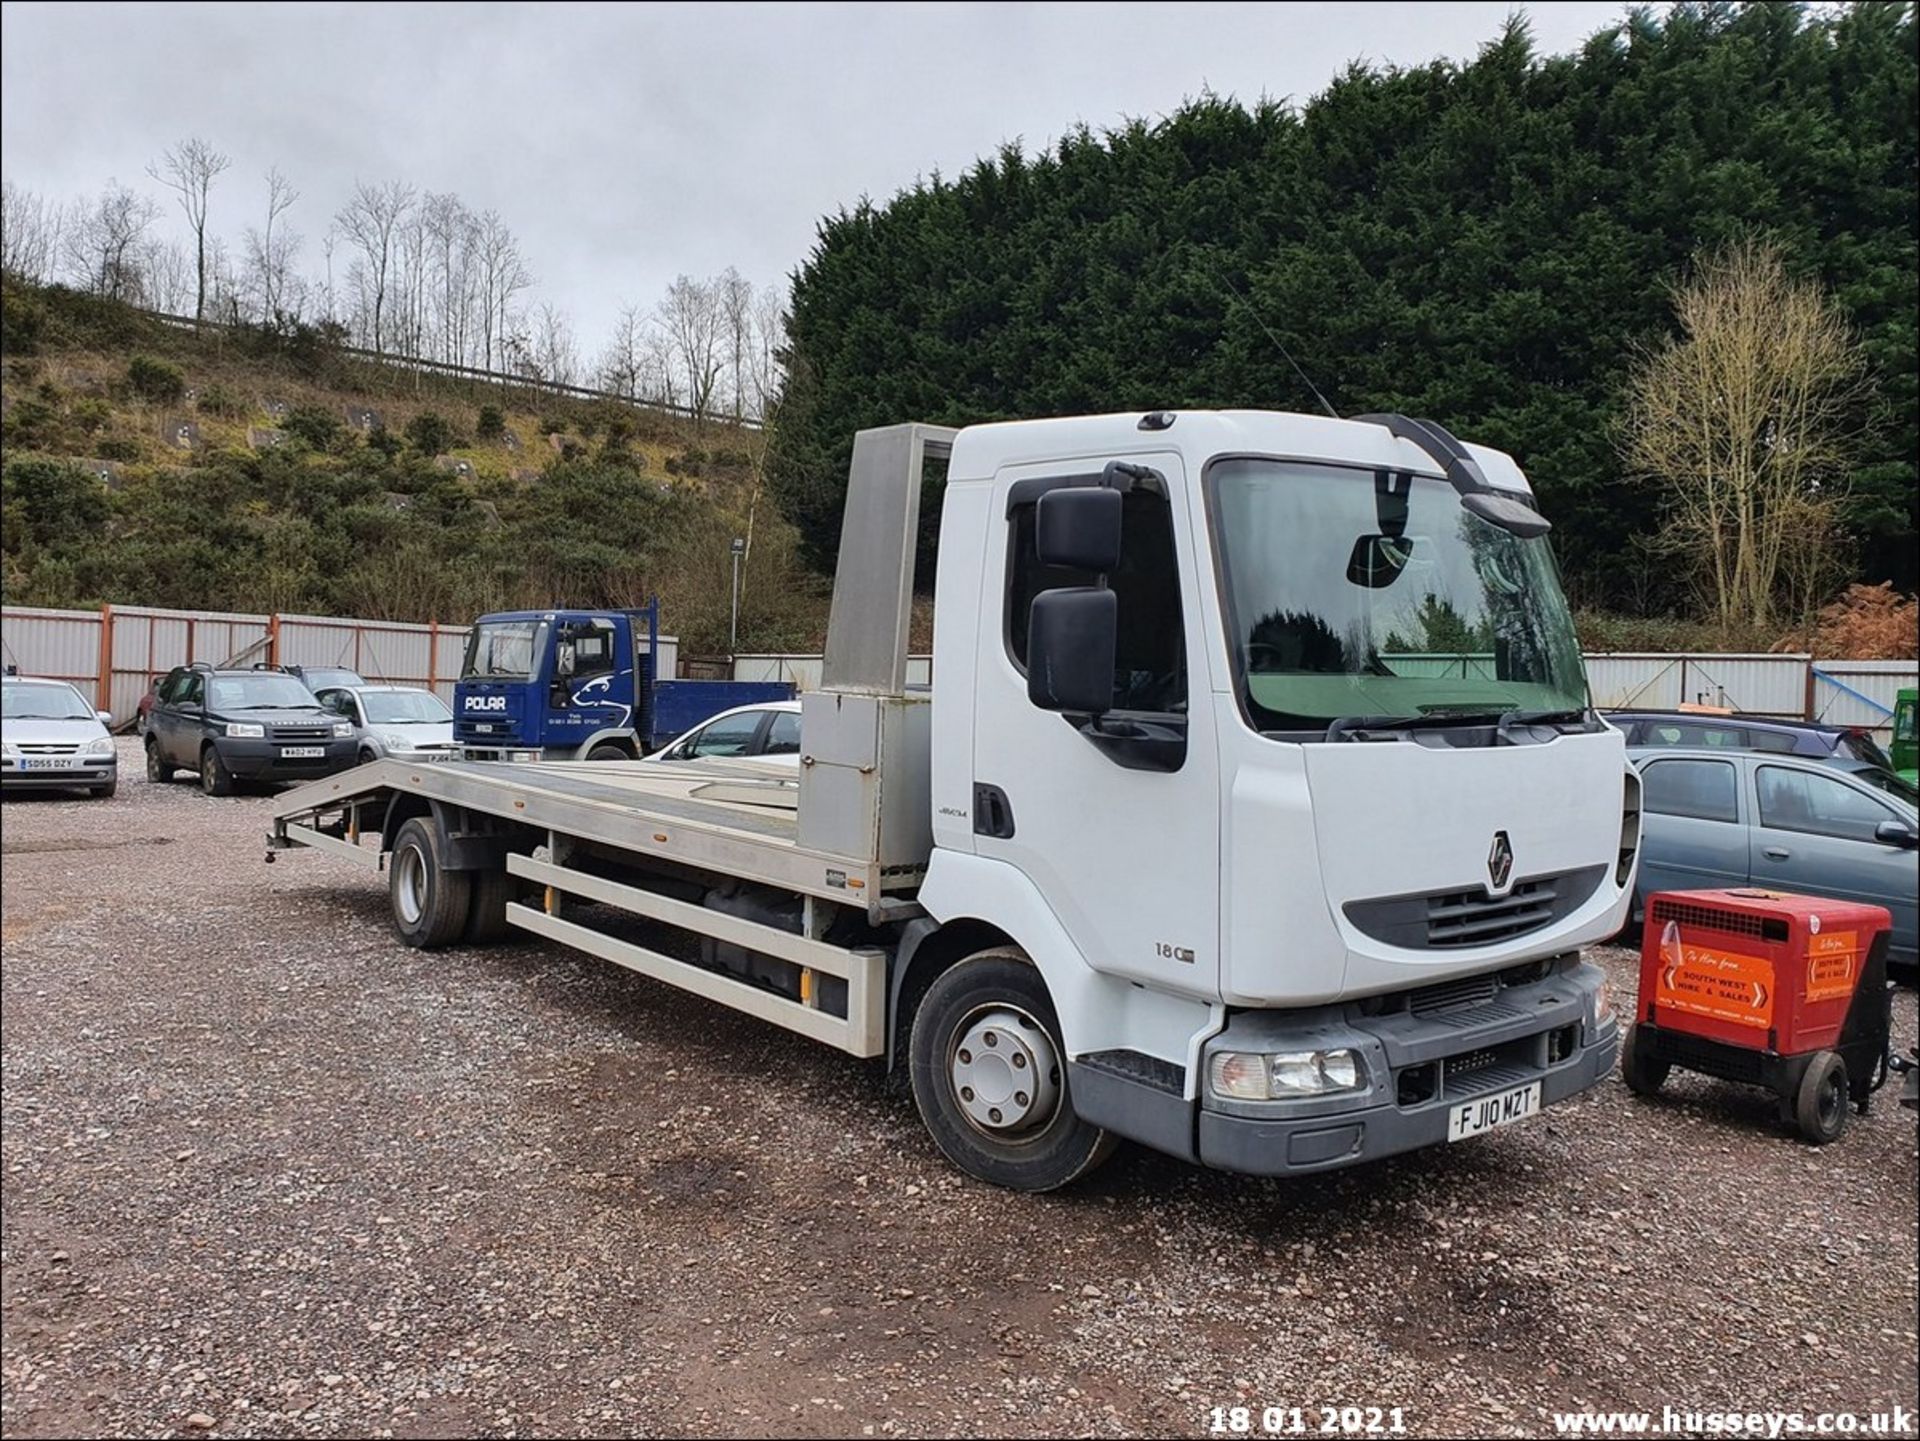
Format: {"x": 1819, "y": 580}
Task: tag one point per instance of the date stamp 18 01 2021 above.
{"x": 1306, "y": 1421}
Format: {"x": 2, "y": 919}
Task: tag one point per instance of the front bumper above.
{"x": 266, "y": 760}
{"x": 1421, "y": 1063}
{"x": 73, "y": 773}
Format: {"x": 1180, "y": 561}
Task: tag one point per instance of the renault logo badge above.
{"x": 1500, "y": 861}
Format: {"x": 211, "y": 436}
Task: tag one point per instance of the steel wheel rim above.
{"x": 410, "y": 884}
{"x": 1830, "y": 1093}
{"x": 1003, "y": 1072}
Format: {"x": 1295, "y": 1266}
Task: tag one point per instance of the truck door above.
{"x": 1127, "y": 858}
{"x": 590, "y": 692}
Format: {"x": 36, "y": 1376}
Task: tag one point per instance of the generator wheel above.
{"x": 1644, "y": 1074}
{"x": 1820, "y": 1105}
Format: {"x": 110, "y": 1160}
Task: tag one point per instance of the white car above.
{"x": 769, "y": 732}
{"x": 404, "y": 722}
{"x": 51, "y": 739}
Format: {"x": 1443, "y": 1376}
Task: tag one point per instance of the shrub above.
{"x": 155, "y": 380}
{"x": 430, "y": 432}
{"x": 91, "y": 415}
{"x": 492, "y": 424}
{"x": 384, "y": 441}
{"x": 117, "y": 448}
{"x": 31, "y": 424}
{"x": 318, "y": 427}
{"x": 552, "y": 425}
{"x": 218, "y": 400}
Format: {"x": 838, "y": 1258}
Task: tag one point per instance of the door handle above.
{"x": 1775, "y": 853}
{"x": 992, "y": 812}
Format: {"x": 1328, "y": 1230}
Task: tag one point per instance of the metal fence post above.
{"x": 103, "y": 688}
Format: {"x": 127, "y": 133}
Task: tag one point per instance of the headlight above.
{"x": 1602, "y": 1004}
{"x": 6, "y": 748}
{"x": 1250, "y": 1076}
{"x": 394, "y": 741}
{"x": 243, "y": 729}
{"x": 99, "y": 746}
{"x": 343, "y": 728}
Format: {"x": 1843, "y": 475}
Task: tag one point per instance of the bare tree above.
{"x": 503, "y": 275}
{"x": 29, "y": 233}
{"x": 189, "y": 169}
{"x": 371, "y": 220}
{"x": 769, "y": 335}
{"x": 1743, "y": 421}
{"x": 166, "y": 276}
{"x": 270, "y": 255}
{"x": 690, "y": 315}
{"x": 623, "y": 359}
{"x": 555, "y": 356}
{"x": 103, "y": 239}
{"x": 733, "y": 295}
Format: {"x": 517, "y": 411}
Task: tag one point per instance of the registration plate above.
{"x": 1471, "y": 1118}
{"x": 303, "y": 753}
{"x": 47, "y": 763}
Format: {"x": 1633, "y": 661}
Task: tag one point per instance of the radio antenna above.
{"x": 1278, "y": 345}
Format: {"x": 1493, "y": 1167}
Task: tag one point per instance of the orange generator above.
{"x": 1779, "y": 991}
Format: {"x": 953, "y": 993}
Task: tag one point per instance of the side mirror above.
{"x": 1896, "y": 833}
{"x": 105, "y": 717}
{"x": 1072, "y": 634}
{"x": 1079, "y": 527}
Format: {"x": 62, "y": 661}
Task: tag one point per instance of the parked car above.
{"x": 1906, "y": 735}
{"x": 758, "y": 732}
{"x": 1717, "y": 817}
{"x": 395, "y": 720}
{"x": 145, "y": 708}
{"x": 52, "y": 739}
{"x": 317, "y": 678}
{"x": 1778, "y": 736}
{"x": 243, "y": 725}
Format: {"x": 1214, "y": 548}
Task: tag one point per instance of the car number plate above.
{"x": 1487, "y": 1113}
{"x": 303, "y": 753}
{"x": 47, "y": 763}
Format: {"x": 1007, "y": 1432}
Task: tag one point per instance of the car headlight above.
{"x": 244, "y": 729}
{"x": 1602, "y": 1004}
{"x": 394, "y": 741}
{"x": 343, "y": 728}
{"x": 99, "y": 746}
{"x": 6, "y": 748}
{"x": 1252, "y": 1076}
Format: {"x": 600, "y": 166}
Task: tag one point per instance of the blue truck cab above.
{"x": 580, "y": 685}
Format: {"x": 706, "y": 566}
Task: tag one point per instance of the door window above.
{"x": 727, "y": 736}
{"x": 189, "y": 690}
{"x": 1797, "y": 800}
{"x": 1703, "y": 790}
{"x": 783, "y": 735}
{"x": 592, "y": 651}
{"x": 1150, "y": 669}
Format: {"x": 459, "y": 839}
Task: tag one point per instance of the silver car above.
{"x": 1712, "y": 818}
{"x": 401, "y": 721}
{"x": 51, "y": 739}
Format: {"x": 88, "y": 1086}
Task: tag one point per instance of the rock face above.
{"x": 182, "y": 434}
{"x": 363, "y": 417}
{"x": 261, "y": 437}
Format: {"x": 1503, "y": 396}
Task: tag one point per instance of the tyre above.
{"x": 989, "y": 1077}
{"x": 105, "y": 792}
{"x": 158, "y": 771}
{"x": 215, "y": 778}
{"x": 1820, "y": 1105}
{"x": 366, "y": 757}
{"x": 428, "y": 903}
{"x": 608, "y": 751}
{"x": 1644, "y": 1074}
{"x": 487, "y": 907}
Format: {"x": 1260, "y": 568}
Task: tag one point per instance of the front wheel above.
{"x": 428, "y": 902}
{"x": 607, "y": 751}
{"x": 158, "y": 771}
{"x": 989, "y": 1077}
{"x": 215, "y": 778}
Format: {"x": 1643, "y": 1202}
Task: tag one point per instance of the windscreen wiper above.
{"x": 1347, "y": 725}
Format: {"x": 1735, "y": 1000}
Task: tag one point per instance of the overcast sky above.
{"x": 627, "y": 144}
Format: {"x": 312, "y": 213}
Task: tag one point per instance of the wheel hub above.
{"x": 409, "y": 884}
{"x": 1004, "y": 1071}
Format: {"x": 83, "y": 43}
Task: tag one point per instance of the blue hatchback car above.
{"x": 1713, "y": 818}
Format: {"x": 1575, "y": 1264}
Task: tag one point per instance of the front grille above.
{"x": 1450, "y": 920}
{"x": 1451, "y": 995}
{"x": 1712, "y": 918}
{"x": 302, "y": 734}
{"x": 49, "y": 748}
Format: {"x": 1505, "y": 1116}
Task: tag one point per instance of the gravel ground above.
{"x": 268, "y": 1173}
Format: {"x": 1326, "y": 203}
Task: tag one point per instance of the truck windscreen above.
{"x": 1354, "y": 592}
{"x": 504, "y": 650}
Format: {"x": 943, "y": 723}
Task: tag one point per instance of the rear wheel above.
{"x": 158, "y": 771}
{"x": 1644, "y": 1074}
{"x": 989, "y": 1077}
{"x": 429, "y": 903}
{"x": 1820, "y": 1105}
{"x": 215, "y": 778}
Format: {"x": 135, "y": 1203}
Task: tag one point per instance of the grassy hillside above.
{"x": 145, "y": 464}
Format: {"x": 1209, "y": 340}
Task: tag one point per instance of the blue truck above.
{"x": 580, "y": 685}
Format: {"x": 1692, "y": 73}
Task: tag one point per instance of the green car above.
{"x": 1905, "y": 749}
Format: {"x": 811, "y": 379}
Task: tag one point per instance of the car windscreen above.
{"x": 504, "y": 650}
{"x": 1863, "y": 747}
{"x": 1891, "y": 784}
{"x": 258, "y": 692}
{"x": 43, "y": 702}
{"x": 404, "y": 707}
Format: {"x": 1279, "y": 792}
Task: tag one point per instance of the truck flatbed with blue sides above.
{"x": 1257, "y": 813}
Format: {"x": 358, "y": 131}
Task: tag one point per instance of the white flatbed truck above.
{"x": 1257, "y": 812}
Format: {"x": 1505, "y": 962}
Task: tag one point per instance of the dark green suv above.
{"x": 242, "y": 725}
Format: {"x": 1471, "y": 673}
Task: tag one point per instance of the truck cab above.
{"x": 579, "y": 685}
